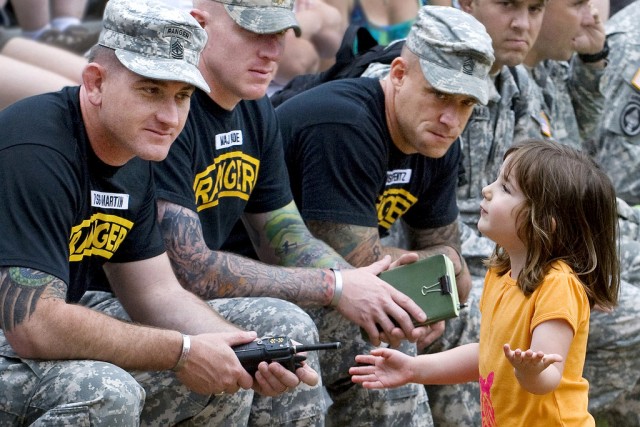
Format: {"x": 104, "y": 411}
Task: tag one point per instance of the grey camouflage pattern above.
{"x": 617, "y": 146}
{"x": 588, "y": 100}
{"x": 110, "y": 396}
{"x": 630, "y": 259}
{"x": 629, "y": 230}
{"x": 629, "y": 221}
{"x": 283, "y": 4}
{"x": 353, "y": 405}
{"x": 154, "y": 40}
{"x": 612, "y": 366}
{"x": 103, "y": 394}
{"x": 455, "y": 50}
{"x": 376, "y": 70}
{"x": 570, "y": 98}
{"x": 263, "y": 16}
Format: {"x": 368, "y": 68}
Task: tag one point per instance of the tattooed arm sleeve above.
{"x": 212, "y": 274}
{"x": 359, "y": 245}
{"x": 24, "y": 293}
{"x": 21, "y": 289}
{"x": 281, "y": 237}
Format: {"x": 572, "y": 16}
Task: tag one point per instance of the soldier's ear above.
{"x": 201, "y": 16}
{"x": 399, "y": 69}
{"x": 466, "y": 5}
{"x": 92, "y": 80}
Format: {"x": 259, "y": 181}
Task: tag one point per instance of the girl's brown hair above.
{"x": 569, "y": 214}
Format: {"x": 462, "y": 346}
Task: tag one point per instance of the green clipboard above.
{"x": 431, "y": 283}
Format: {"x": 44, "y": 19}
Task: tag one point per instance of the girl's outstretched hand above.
{"x": 529, "y": 362}
{"x": 383, "y": 368}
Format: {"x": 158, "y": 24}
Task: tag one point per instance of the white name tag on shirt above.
{"x": 229, "y": 139}
{"x": 100, "y": 199}
{"x": 398, "y": 176}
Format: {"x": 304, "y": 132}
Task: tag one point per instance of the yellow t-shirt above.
{"x": 510, "y": 317}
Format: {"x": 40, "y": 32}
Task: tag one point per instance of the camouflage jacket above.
{"x": 617, "y": 146}
{"x": 571, "y": 100}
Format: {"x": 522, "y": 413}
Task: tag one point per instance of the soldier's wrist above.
{"x": 337, "y": 291}
{"x": 184, "y": 354}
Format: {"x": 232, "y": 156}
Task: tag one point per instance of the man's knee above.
{"x": 73, "y": 392}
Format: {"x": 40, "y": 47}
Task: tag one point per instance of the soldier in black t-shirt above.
{"x": 228, "y": 165}
{"x": 364, "y": 154}
{"x": 78, "y": 207}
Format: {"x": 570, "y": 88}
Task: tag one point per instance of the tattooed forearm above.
{"x": 21, "y": 289}
{"x": 359, "y": 245}
{"x": 214, "y": 274}
{"x": 284, "y": 239}
{"x": 422, "y": 239}
{"x": 190, "y": 257}
{"x": 442, "y": 240}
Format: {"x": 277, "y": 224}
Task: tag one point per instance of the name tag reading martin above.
{"x": 100, "y": 199}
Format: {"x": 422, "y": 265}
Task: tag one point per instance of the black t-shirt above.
{"x": 64, "y": 211}
{"x": 344, "y": 167}
{"x": 225, "y": 163}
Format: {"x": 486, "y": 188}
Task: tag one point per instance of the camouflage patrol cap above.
{"x": 263, "y": 16}
{"x": 154, "y": 40}
{"x": 455, "y": 51}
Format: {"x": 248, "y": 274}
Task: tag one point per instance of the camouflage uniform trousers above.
{"x": 353, "y": 405}
{"x": 104, "y": 394}
{"x": 612, "y": 365}
{"x": 302, "y": 406}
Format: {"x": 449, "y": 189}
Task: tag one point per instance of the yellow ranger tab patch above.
{"x": 635, "y": 81}
{"x": 100, "y": 235}
{"x": 392, "y": 204}
{"x": 233, "y": 174}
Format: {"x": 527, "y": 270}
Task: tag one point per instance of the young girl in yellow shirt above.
{"x": 552, "y": 214}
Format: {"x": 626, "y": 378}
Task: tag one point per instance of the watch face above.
{"x": 630, "y": 118}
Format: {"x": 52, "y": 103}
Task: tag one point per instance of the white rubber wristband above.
{"x": 186, "y": 346}
{"x": 337, "y": 292}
